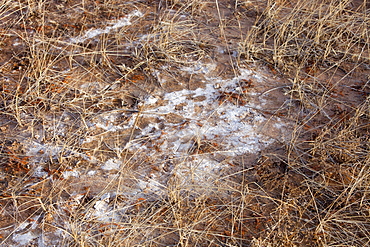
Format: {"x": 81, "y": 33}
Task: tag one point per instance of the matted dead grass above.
{"x": 90, "y": 90}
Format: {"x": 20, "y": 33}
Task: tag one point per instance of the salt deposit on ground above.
{"x": 92, "y": 33}
{"x": 216, "y": 118}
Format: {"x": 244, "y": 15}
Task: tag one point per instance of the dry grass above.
{"x": 314, "y": 191}
{"x": 321, "y": 47}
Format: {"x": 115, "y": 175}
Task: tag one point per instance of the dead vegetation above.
{"x": 310, "y": 191}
